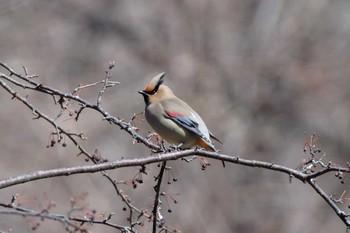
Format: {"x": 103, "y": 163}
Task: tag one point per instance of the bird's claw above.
{"x": 176, "y": 147}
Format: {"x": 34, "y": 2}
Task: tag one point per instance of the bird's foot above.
{"x": 176, "y": 147}
{"x": 197, "y": 148}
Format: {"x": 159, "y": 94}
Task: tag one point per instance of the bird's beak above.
{"x": 145, "y": 97}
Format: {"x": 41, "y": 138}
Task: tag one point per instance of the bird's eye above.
{"x": 153, "y": 92}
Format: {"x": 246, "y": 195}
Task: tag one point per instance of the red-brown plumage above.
{"x": 173, "y": 114}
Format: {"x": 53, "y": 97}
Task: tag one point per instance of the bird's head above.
{"x": 155, "y": 91}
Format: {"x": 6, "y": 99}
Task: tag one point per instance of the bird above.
{"x": 173, "y": 119}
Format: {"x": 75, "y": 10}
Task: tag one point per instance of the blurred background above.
{"x": 260, "y": 73}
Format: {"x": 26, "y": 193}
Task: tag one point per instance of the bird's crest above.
{"x": 153, "y": 86}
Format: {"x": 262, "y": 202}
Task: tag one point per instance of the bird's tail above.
{"x": 208, "y": 146}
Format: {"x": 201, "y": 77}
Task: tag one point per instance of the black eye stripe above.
{"x": 151, "y": 92}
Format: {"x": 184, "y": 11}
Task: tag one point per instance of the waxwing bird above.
{"x": 173, "y": 119}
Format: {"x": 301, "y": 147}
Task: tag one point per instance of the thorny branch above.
{"x": 142, "y": 161}
{"x": 304, "y": 177}
{"x": 341, "y": 214}
{"x": 35, "y": 86}
{"x": 304, "y": 173}
{"x": 62, "y": 99}
{"x": 71, "y": 223}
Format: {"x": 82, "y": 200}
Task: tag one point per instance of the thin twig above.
{"x": 81, "y": 87}
{"x": 341, "y": 214}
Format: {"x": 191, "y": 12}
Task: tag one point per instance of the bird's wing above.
{"x": 182, "y": 114}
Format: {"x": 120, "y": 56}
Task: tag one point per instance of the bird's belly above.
{"x": 171, "y": 132}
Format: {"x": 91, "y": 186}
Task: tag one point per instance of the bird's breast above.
{"x": 168, "y": 129}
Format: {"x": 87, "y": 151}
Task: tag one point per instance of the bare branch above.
{"x": 39, "y": 114}
{"x": 156, "y": 211}
{"x": 341, "y": 214}
{"x": 52, "y": 91}
{"x": 71, "y": 223}
{"x": 62, "y": 100}
{"x": 161, "y": 158}
{"x": 305, "y": 173}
